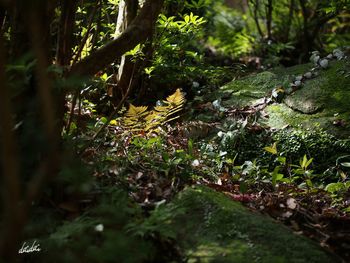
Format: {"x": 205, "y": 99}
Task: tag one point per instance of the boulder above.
{"x": 321, "y": 101}
{"x": 210, "y": 227}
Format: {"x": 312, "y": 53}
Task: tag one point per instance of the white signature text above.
{"x": 29, "y": 248}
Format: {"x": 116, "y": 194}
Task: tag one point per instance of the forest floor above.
{"x": 224, "y": 141}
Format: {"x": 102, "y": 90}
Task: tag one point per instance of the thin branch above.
{"x": 254, "y": 13}
{"x": 289, "y": 21}
{"x": 76, "y": 57}
{"x": 86, "y": 36}
{"x": 136, "y": 33}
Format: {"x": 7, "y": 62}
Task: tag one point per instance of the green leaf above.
{"x": 103, "y": 120}
{"x": 308, "y": 183}
{"x": 190, "y": 146}
{"x": 165, "y": 156}
{"x": 271, "y": 149}
{"x": 276, "y": 176}
{"x": 303, "y": 162}
{"x": 346, "y": 164}
{"x": 282, "y": 160}
{"x": 334, "y": 187}
{"x": 308, "y": 162}
{"x": 187, "y": 19}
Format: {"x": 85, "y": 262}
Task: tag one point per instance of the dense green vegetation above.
{"x": 132, "y": 131}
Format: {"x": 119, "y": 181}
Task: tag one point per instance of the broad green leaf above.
{"x": 271, "y": 149}
{"x": 345, "y": 164}
{"x": 303, "y": 162}
{"x": 103, "y": 120}
{"x": 308, "y": 162}
{"x": 334, "y": 187}
{"x": 282, "y": 160}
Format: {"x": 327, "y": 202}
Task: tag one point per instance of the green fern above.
{"x": 139, "y": 119}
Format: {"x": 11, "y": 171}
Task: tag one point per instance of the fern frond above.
{"x": 175, "y": 99}
{"x": 136, "y": 112}
{"x": 138, "y": 119}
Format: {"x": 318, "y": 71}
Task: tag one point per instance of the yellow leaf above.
{"x": 134, "y": 111}
{"x": 176, "y": 99}
{"x": 113, "y": 122}
{"x": 161, "y": 108}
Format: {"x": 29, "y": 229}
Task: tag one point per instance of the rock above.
{"x": 315, "y": 74}
{"x": 315, "y": 104}
{"x": 297, "y": 83}
{"x": 289, "y": 90}
{"x": 210, "y": 227}
{"x": 303, "y": 106}
{"x": 324, "y": 63}
{"x": 315, "y": 57}
{"x": 338, "y": 54}
{"x": 217, "y": 105}
{"x": 308, "y": 75}
{"x": 299, "y": 78}
{"x": 247, "y": 90}
{"x": 309, "y": 106}
{"x": 195, "y": 84}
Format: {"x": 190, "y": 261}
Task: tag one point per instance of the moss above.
{"x": 319, "y": 102}
{"x": 217, "y": 229}
{"x": 330, "y": 90}
{"x": 247, "y": 90}
{"x": 281, "y": 115}
{"x": 295, "y": 70}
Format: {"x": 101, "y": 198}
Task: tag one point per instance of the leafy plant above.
{"x": 302, "y": 169}
{"x": 322, "y": 146}
{"x": 296, "y": 172}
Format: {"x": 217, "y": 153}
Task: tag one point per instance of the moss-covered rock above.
{"x": 213, "y": 228}
{"x": 247, "y": 90}
{"x": 322, "y": 101}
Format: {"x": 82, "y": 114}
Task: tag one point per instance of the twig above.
{"x": 254, "y": 13}
{"x": 86, "y": 36}
{"x": 76, "y": 56}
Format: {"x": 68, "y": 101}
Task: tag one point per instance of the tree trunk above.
{"x": 269, "y": 10}
{"x": 127, "y": 13}
{"x": 33, "y": 26}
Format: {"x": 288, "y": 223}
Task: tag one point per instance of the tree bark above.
{"x": 65, "y": 36}
{"x": 10, "y": 170}
{"x": 127, "y": 13}
{"x": 35, "y": 26}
